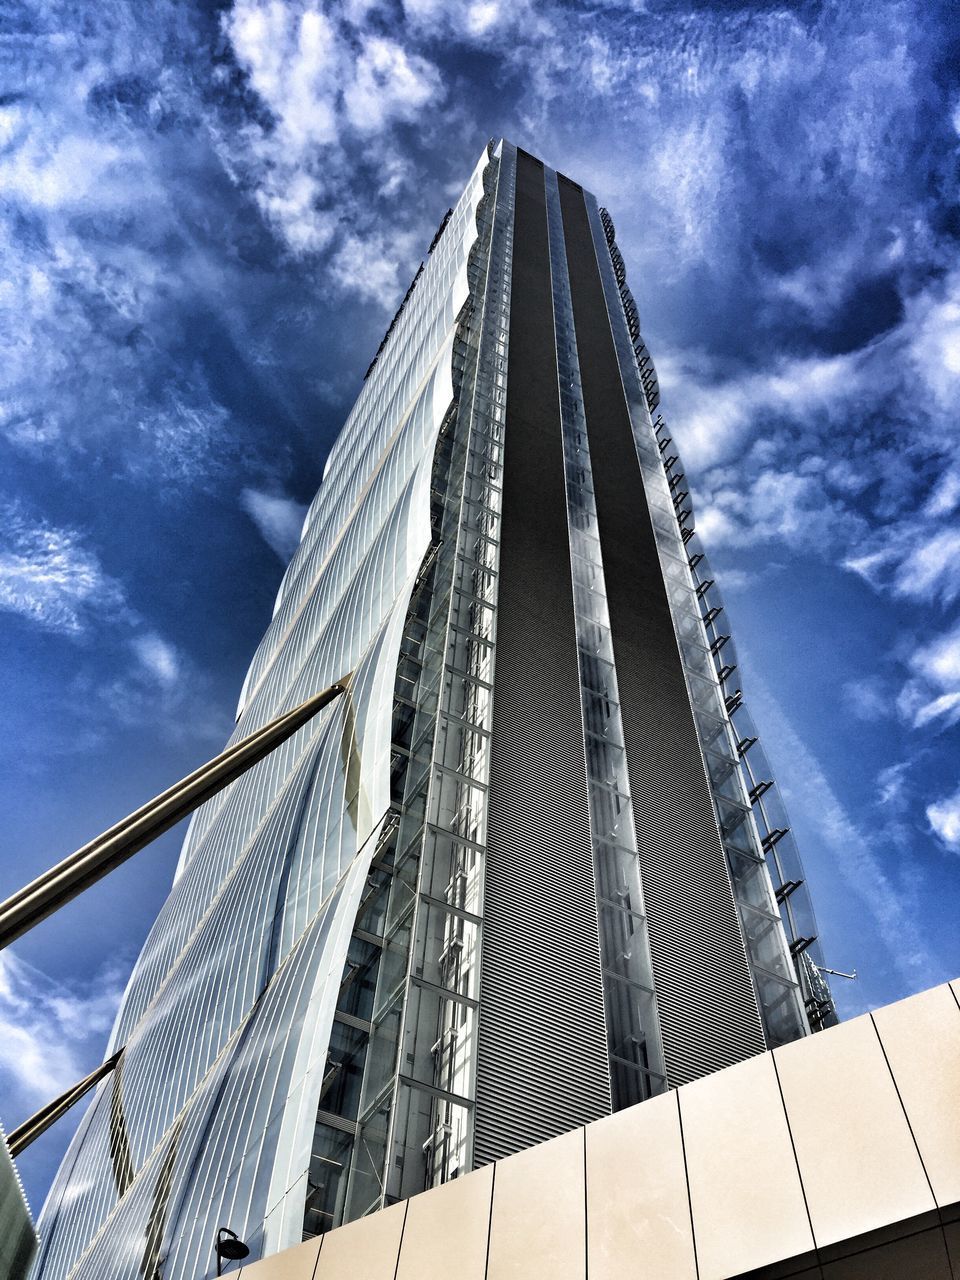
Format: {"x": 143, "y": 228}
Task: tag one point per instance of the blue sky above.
{"x": 209, "y": 215}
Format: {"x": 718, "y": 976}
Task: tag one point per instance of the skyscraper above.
{"x": 531, "y": 868}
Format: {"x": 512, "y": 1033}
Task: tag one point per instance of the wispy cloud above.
{"x": 944, "y": 818}
{"x": 278, "y": 517}
{"x": 95, "y": 250}
{"x": 932, "y": 693}
{"x": 333, "y": 90}
{"x": 869, "y": 699}
{"x": 50, "y": 576}
{"x": 50, "y": 1031}
{"x": 856, "y": 853}
{"x": 54, "y": 580}
{"x": 159, "y": 658}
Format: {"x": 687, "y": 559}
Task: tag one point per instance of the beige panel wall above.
{"x": 745, "y": 1192}
{"x": 368, "y": 1247}
{"x": 614, "y": 1201}
{"x": 638, "y": 1212}
{"x": 921, "y": 1038}
{"x": 445, "y": 1235}
{"x": 858, "y": 1161}
{"x": 298, "y": 1263}
{"x": 537, "y": 1228}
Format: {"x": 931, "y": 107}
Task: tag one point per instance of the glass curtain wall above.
{"x": 412, "y": 1105}
{"x": 212, "y": 1118}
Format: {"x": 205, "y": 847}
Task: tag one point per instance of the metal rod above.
{"x": 836, "y": 972}
{"x": 62, "y": 883}
{"x": 24, "y": 1134}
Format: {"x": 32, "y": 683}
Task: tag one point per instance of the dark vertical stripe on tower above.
{"x": 708, "y": 1010}
{"x": 542, "y": 1060}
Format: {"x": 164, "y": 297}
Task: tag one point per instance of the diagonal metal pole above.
{"x": 80, "y": 870}
{"x": 24, "y": 1134}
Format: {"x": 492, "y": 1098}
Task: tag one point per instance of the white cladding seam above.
{"x": 228, "y": 1012}
{"x": 776, "y": 993}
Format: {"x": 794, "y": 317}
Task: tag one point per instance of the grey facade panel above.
{"x": 708, "y": 1010}
{"x": 542, "y": 1060}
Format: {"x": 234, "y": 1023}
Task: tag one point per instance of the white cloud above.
{"x": 945, "y": 496}
{"x": 155, "y": 683}
{"x": 294, "y": 63}
{"x": 368, "y": 266}
{"x": 92, "y": 252}
{"x": 159, "y": 658}
{"x": 784, "y": 505}
{"x": 932, "y": 694}
{"x": 939, "y": 661}
{"x": 914, "y": 559}
{"x": 388, "y": 84}
{"x": 891, "y": 784}
{"x": 48, "y": 575}
{"x": 946, "y": 707}
{"x": 60, "y": 172}
{"x": 333, "y": 91}
{"x": 481, "y": 22}
{"x": 182, "y": 438}
{"x": 50, "y": 1031}
{"x": 931, "y": 569}
{"x": 278, "y": 517}
{"x": 933, "y": 321}
{"x": 290, "y": 198}
{"x": 944, "y": 818}
{"x": 867, "y": 699}
{"x": 712, "y": 418}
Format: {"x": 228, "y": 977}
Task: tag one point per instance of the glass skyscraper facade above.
{"x": 532, "y": 867}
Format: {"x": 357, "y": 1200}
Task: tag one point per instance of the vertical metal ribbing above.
{"x": 542, "y": 1059}
{"x": 708, "y": 1010}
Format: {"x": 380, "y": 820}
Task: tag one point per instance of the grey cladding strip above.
{"x": 542, "y": 1058}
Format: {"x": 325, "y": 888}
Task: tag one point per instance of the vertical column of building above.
{"x": 416, "y": 1107}
{"x": 636, "y": 1055}
{"x": 542, "y": 1054}
{"x": 708, "y": 1008}
{"x": 750, "y": 834}
{"x": 432, "y": 1132}
{"x": 380, "y": 1087}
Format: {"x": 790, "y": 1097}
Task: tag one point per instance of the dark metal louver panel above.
{"x": 708, "y": 1010}
{"x": 542, "y": 1058}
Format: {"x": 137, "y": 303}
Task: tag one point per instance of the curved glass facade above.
{"x": 530, "y": 867}
{"x": 228, "y": 1013}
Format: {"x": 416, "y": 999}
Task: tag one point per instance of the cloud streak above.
{"x": 944, "y": 818}
{"x": 278, "y": 518}
{"x": 50, "y": 577}
{"x": 50, "y": 1032}
{"x": 811, "y": 796}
